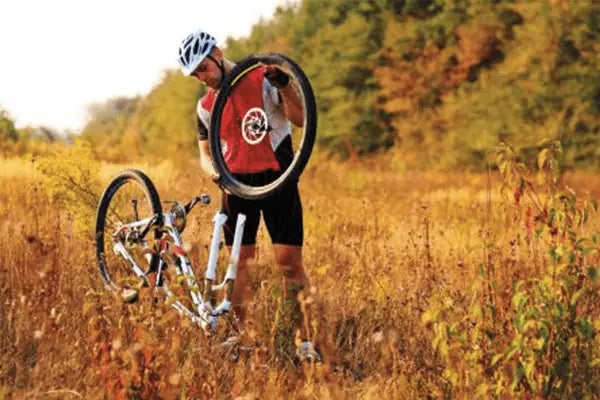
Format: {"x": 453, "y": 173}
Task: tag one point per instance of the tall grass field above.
{"x": 422, "y": 285}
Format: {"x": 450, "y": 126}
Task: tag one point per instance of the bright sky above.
{"x": 59, "y": 56}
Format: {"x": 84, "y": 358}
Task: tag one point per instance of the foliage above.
{"x": 427, "y": 284}
{"x": 161, "y": 124}
{"x": 545, "y": 344}
{"x": 8, "y": 133}
{"x": 28, "y": 140}
{"x": 442, "y": 82}
{"x": 72, "y": 183}
{"x": 109, "y": 129}
{"x": 439, "y": 82}
{"x": 7, "y": 127}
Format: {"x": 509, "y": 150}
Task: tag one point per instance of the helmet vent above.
{"x": 193, "y": 49}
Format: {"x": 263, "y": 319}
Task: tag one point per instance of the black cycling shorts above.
{"x": 282, "y": 213}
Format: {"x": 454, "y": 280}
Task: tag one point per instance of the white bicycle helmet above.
{"x": 194, "y": 49}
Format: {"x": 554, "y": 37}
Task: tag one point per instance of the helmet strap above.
{"x": 221, "y": 65}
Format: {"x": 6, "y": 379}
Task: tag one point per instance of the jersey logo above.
{"x": 254, "y": 126}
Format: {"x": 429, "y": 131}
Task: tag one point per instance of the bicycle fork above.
{"x": 206, "y": 313}
{"x": 207, "y": 309}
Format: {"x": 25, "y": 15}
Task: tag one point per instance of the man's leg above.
{"x": 289, "y": 260}
{"x": 283, "y": 217}
{"x": 241, "y": 286}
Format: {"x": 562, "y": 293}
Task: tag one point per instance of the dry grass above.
{"x": 378, "y": 246}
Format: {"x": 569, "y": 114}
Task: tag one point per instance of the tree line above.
{"x": 437, "y": 83}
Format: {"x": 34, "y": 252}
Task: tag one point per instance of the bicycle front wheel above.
{"x": 127, "y": 206}
{"x": 292, "y": 145}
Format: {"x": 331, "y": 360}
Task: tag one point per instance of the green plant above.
{"x": 71, "y": 179}
{"x": 545, "y": 343}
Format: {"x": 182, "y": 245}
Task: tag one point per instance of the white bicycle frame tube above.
{"x": 231, "y": 273}
{"x": 211, "y": 268}
{"x": 237, "y": 245}
{"x": 205, "y": 315}
{"x": 118, "y": 248}
{"x": 184, "y": 263}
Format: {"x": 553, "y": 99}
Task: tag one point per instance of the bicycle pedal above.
{"x": 307, "y": 353}
{"x": 130, "y": 295}
{"x": 230, "y": 342}
{"x": 234, "y": 349}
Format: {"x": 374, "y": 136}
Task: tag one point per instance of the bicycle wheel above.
{"x": 127, "y": 205}
{"x": 258, "y": 125}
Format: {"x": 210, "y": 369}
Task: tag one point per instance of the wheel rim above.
{"x": 123, "y": 198}
{"x": 293, "y": 152}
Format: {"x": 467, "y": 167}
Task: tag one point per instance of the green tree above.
{"x": 8, "y": 133}
{"x": 166, "y": 117}
{"x": 7, "y": 128}
{"x": 442, "y": 81}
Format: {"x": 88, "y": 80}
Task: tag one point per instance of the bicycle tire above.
{"x": 301, "y": 155}
{"x": 118, "y": 181}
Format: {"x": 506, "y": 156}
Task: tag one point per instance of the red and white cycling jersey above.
{"x": 252, "y": 124}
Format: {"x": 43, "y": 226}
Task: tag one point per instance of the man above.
{"x": 282, "y": 213}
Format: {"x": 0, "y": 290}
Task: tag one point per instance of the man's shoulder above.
{"x": 206, "y": 102}
{"x": 204, "y": 107}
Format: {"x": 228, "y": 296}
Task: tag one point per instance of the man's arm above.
{"x": 292, "y": 104}
{"x": 202, "y": 118}
{"x": 205, "y": 161}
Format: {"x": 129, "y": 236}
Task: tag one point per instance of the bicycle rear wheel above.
{"x": 257, "y": 125}
{"x": 129, "y": 202}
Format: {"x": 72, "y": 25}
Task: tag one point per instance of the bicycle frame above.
{"x": 205, "y": 313}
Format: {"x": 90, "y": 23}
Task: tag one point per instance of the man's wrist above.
{"x": 277, "y": 77}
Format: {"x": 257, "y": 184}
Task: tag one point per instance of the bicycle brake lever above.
{"x": 204, "y": 199}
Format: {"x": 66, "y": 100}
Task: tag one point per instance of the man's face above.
{"x": 209, "y": 73}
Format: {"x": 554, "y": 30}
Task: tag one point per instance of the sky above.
{"x": 57, "y": 57}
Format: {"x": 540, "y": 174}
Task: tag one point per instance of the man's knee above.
{"x": 289, "y": 260}
{"x": 288, "y": 255}
{"x": 293, "y": 272}
{"x": 291, "y": 268}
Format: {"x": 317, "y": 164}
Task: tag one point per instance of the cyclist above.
{"x": 268, "y": 88}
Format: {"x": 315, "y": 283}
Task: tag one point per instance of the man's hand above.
{"x": 216, "y": 178}
{"x": 276, "y": 76}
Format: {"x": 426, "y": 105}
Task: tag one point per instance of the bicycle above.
{"x": 145, "y": 239}
{"x": 136, "y": 240}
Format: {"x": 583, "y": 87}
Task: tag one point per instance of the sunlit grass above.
{"x": 379, "y": 246}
